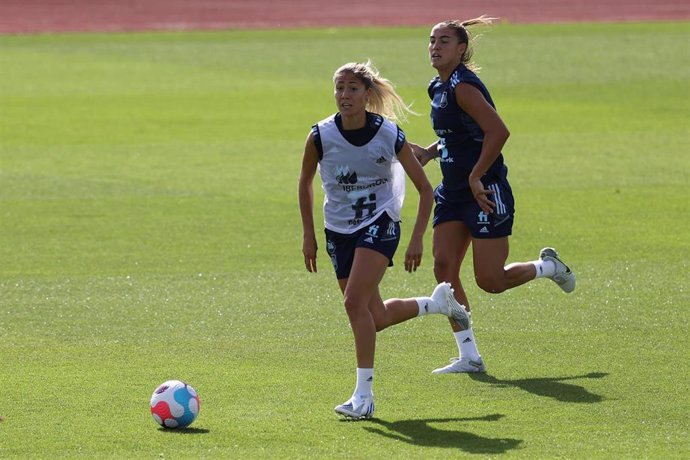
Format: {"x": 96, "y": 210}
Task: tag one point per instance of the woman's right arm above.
{"x": 310, "y": 160}
{"x": 473, "y": 102}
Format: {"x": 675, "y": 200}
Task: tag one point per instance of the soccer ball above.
{"x": 174, "y": 404}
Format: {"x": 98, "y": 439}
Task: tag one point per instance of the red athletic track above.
{"x": 40, "y": 16}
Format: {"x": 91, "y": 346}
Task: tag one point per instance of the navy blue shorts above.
{"x": 495, "y": 225}
{"x": 382, "y": 235}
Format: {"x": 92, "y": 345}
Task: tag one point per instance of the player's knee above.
{"x": 491, "y": 284}
{"x": 381, "y": 320}
{"x": 354, "y": 306}
{"x": 443, "y": 269}
{"x": 381, "y": 325}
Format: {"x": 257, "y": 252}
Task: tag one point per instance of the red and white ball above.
{"x": 174, "y": 404}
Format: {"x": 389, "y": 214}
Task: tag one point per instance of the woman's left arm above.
{"x": 413, "y": 255}
{"x": 472, "y": 101}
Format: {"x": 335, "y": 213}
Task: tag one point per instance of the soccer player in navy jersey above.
{"x": 362, "y": 157}
{"x": 474, "y": 202}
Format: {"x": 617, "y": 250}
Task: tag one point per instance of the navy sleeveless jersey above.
{"x": 460, "y": 137}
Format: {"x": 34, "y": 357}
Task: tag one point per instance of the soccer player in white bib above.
{"x": 362, "y": 157}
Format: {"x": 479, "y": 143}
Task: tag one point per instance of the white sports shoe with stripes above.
{"x": 461, "y": 365}
{"x": 564, "y": 277}
{"x": 444, "y": 298}
{"x": 357, "y": 407}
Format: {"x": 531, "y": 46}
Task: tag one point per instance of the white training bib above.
{"x": 360, "y": 183}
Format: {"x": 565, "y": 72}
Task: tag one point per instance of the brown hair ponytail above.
{"x": 464, "y": 36}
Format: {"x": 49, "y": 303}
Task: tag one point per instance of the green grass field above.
{"x": 149, "y": 230}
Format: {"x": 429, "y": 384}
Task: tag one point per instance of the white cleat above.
{"x": 457, "y": 366}
{"x": 443, "y": 296}
{"x": 564, "y": 277}
{"x": 357, "y": 407}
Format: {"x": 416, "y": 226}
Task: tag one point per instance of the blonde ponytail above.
{"x": 384, "y": 99}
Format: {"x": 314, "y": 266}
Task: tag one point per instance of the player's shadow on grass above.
{"x": 551, "y": 387}
{"x": 421, "y": 433}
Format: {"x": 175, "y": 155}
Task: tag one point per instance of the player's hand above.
{"x": 421, "y": 154}
{"x": 482, "y": 195}
{"x": 309, "y": 249}
{"x": 413, "y": 255}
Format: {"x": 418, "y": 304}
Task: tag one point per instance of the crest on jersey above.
{"x": 443, "y": 103}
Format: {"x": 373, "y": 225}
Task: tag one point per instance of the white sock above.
{"x": 427, "y": 305}
{"x": 545, "y": 268}
{"x": 365, "y": 379}
{"x": 466, "y": 344}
